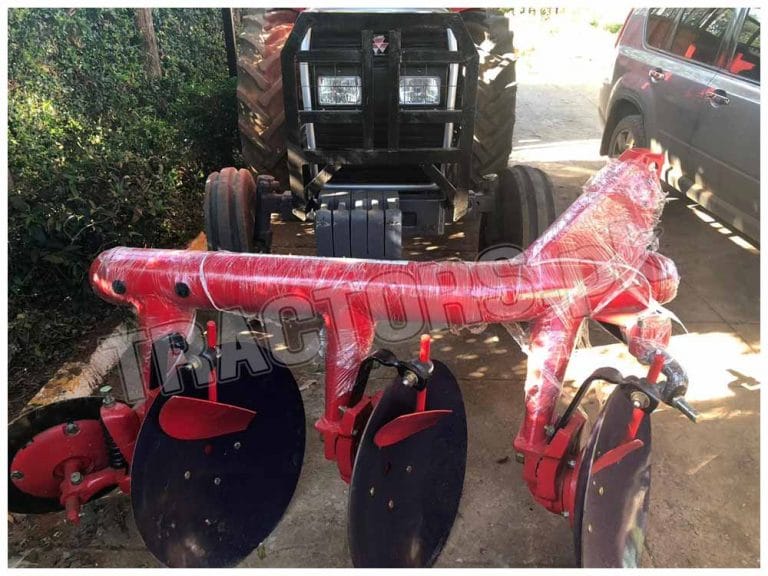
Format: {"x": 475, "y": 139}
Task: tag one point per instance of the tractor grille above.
{"x": 339, "y": 136}
{"x": 384, "y": 81}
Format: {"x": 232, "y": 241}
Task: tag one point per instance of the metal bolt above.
{"x": 106, "y": 393}
{"x": 187, "y": 475}
{"x": 564, "y": 514}
{"x": 409, "y": 468}
{"x": 70, "y": 429}
{"x": 601, "y": 490}
{"x": 391, "y": 504}
{"x": 520, "y": 457}
{"x": 571, "y": 464}
{"x": 372, "y": 491}
{"x": 17, "y": 475}
{"x": 639, "y": 399}
{"x": 410, "y": 379}
{"x": 589, "y": 528}
{"x": 237, "y": 445}
{"x": 75, "y": 478}
{"x": 549, "y": 429}
{"x": 217, "y": 480}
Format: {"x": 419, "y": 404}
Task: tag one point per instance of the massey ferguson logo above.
{"x": 380, "y": 44}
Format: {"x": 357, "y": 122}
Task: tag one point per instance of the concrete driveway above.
{"x": 705, "y": 494}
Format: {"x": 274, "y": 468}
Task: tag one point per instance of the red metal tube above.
{"x": 424, "y": 349}
{"x": 425, "y": 345}
{"x": 457, "y": 293}
{"x": 657, "y": 364}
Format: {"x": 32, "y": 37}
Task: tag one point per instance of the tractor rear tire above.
{"x": 496, "y": 91}
{"x": 524, "y": 208}
{"x": 261, "y": 118}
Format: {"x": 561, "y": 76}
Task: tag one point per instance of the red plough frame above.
{"x": 595, "y": 262}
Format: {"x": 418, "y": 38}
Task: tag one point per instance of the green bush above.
{"x": 100, "y": 155}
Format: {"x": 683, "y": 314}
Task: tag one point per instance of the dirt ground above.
{"x": 705, "y": 492}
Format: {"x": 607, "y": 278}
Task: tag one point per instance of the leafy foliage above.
{"x": 100, "y": 155}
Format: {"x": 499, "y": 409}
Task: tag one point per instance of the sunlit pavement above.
{"x": 705, "y": 491}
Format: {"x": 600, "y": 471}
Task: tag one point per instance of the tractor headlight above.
{"x": 419, "y": 90}
{"x": 339, "y": 90}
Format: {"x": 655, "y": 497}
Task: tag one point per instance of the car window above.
{"x": 746, "y": 57}
{"x": 661, "y": 21}
{"x": 700, "y": 33}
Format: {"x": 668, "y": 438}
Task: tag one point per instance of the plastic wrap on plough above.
{"x": 596, "y": 260}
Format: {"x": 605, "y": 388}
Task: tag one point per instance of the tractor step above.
{"x": 368, "y": 225}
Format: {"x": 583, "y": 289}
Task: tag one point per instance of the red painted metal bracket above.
{"x": 122, "y": 422}
{"x": 406, "y": 426}
{"x": 616, "y": 455}
{"x": 344, "y": 435}
{"x": 186, "y": 418}
{"x": 73, "y": 495}
{"x": 550, "y": 469}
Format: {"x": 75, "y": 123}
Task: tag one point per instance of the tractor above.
{"x": 380, "y": 124}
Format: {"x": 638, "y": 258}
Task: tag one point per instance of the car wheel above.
{"x": 628, "y": 133}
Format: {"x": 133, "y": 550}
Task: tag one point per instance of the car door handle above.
{"x": 656, "y": 74}
{"x": 718, "y": 97}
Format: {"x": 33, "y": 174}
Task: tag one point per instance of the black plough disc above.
{"x": 404, "y": 498}
{"x": 22, "y": 430}
{"x": 611, "y": 509}
{"x": 210, "y": 503}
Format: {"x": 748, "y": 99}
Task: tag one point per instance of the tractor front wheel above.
{"x": 524, "y": 207}
{"x": 232, "y": 209}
